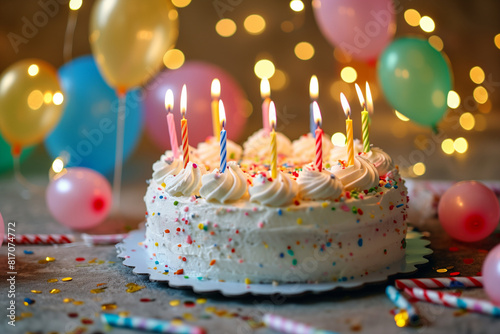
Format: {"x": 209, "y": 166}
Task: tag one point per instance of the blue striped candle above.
{"x": 223, "y": 148}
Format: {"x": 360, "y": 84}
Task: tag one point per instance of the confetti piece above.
{"x": 455, "y": 273}
{"x": 98, "y": 290}
{"x": 124, "y": 313}
{"x": 52, "y": 280}
{"x": 146, "y": 300}
{"x": 27, "y": 252}
{"x": 210, "y": 309}
{"x": 78, "y": 302}
{"x": 80, "y": 259}
{"x": 453, "y": 249}
{"x": 53, "y": 291}
{"x": 109, "y": 306}
{"x": 26, "y": 314}
{"x": 132, "y": 287}
{"x": 68, "y": 300}
{"x": 188, "y": 316}
{"x": 174, "y": 302}
{"x": 201, "y": 301}
{"x": 189, "y": 304}
{"x": 66, "y": 279}
{"x": 73, "y": 315}
{"x": 36, "y": 291}
{"x": 442, "y": 270}
{"x": 28, "y": 301}
{"x": 42, "y": 261}
{"x": 87, "y": 321}
{"x": 100, "y": 284}
{"x": 50, "y": 259}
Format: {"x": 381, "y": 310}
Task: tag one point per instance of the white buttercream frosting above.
{"x": 209, "y": 152}
{"x": 224, "y": 187}
{"x": 273, "y": 192}
{"x": 166, "y": 166}
{"x": 304, "y": 148}
{"x": 360, "y": 176}
{"x": 258, "y": 146}
{"x": 315, "y": 185}
{"x": 187, "y": 182}
{"x": 340, "y": 152}
{"x": 381, "y": 160}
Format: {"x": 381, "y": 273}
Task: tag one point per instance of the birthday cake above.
{"x": 304, "y": 225}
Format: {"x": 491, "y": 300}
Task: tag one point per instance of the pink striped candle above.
{"x": 319, "y": 137}
{"x": 169, "y": 105}
{"x": 440, "y": 283}
{"x": 184, "y": 127}
{"x": 265, "y": 93}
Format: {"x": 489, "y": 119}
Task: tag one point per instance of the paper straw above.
{"x": 148, "y": 324}
{"x": 450, "y": 300}
{"x": 288, "y": 326}
{"x": 39, "y": 239}
{"x": 439, "y": 283}
{"x": 401, "y": 302}
{"x": 103, "y": 239}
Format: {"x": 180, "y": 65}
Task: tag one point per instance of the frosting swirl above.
{"x": 360, "y": 176}
{"x": 381, "y": 160}
{"x": 224, "y": 187}
{"x": 273, "y": 192}
{"x": 166, "y": 166}
{"x": 187, "y": 182}
{"x": 304, "y": 148}
{"x": 315, "y": 185}
{"x": 340, "y": 152}
{"x": 257, "y": 145}
{"x": 208, "y": 152}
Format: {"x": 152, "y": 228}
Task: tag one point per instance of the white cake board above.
{"x": 136, "y": 256}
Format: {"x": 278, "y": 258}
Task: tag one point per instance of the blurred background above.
{"x": 281, "y": 39}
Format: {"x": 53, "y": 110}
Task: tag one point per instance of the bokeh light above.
{"x": 264, "y": 68}
{"x": 181, "y": 3}
{"x": 225, "y": 27}
{"x": 427, "y": 24}
{"x": 75, "y": 4}
{"x": 340, "y": 86}
{"x": 254, "y": 24}
{"x": 477, "y": 75}
{"x": 447, "y": 146}
{"x": 35, "y": 99}
{"x": 57, "y": 165}
{"x": 304, "y": 50}
{"x": 497, "y": 40}
{"x": 33, "y": 70}
{"x": 348, "y": 74}
{"x": 287, "y": 26}
{"x": 401, "y": 116}
{"x": 481, "y": 123}
{"x": 480, "y": 94}
{"x": 436, "y": 42}
{"x": 453, "y": 100}
{"x": 460, "y": 145}
{"x": 467, "y": 121}
{"x": 338, "y": 139}
{"x": 297, "y": 5}
{"x": 279, "y": 80}
{"x": 58, "y": 98}
{"x": 173, "y": 59}
{"x": 419, "y": 168}
{"x": 485, "y": 107}
{"x": 47, "y": 97}
{"x": 412, "y": 17}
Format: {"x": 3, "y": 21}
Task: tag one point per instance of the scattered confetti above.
{"x": 174, "y": 302}
{"x": 53, "y": 291}
{"x": 455, "y": 273}
{"x": 124, "y": 313}
{"x": 66, "y": 279}
{"x": 73, "y": 315}
{"x": 109, "y": 306}
{"x": 80, "y": 259}
{"x": 68, "y": 300}
{"x": 468, "y": 261}
{"x": 52, "y": 280}
{"x": 87, "y": 321}
{"x": 78, "y": 302}
{"x": 146, "y": 300}
{"x": 27, "y": 252}
{"x": 98, "y": 290}
{"x": 50, "y": 259}
{"x": 201, "y": 301}
{"x": 36, "y": 291}
{"x": 28, "y": 301}
{"x": 26, "y": 314}
{"x": 453, "y": 249}
{"x": 189, "y": 304}
{"x": 442, "y": 270}
{"x": 133, "y": 287}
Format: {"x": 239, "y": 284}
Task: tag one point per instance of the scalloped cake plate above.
{"x": 136, "y": 256}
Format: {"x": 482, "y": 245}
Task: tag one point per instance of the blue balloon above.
{"x": 86, "y": 134}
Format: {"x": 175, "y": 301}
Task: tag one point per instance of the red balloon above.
{"x": 198, "y": 78}
{"x": 469, "y": 211}
{"x": 491, "y": 274}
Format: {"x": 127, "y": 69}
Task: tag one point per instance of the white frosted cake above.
{"x": 304, "y": 226}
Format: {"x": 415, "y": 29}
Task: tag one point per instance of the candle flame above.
{"x": 314, "y": 88}
{"x": 317, "y": 114}
{"x": 183, "y": 101}
{"x": 265, "y": 88}
{"x": 222, "y": 114}
{"x": 272, "y": 115}
{"x": 169, "y": 100}
{"x": 215, "y": 89}
{"x": 360, "y": 96}
{"x": 345, "y": 105}
{"x": 369, "y": 101}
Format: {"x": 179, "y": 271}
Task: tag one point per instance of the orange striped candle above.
{"x": 184, "y": 127}
{"x": 348, "y": 126}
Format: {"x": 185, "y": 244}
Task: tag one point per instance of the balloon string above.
{"x": 120, "y": 131}
{"x": 21, "y": 179}
{"x": 68, "y": 37}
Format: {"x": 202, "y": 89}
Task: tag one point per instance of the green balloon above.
{"x": 415, "y": 79}
{"x": 6, "y": 161}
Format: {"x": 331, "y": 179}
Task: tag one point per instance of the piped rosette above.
{"x": 280, "y": 191}
{"x": 187, "y": 182}
{"x": 361, "y": 176}
{"x": 315, "y": 185}
{"x": 257, "y": 147}
{"x": 381, "y": 160}
{"x": 224, "y": 187}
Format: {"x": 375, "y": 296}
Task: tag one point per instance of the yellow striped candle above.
{"x": 365, "y": 121}
{"x": 184, "y": 128}
{"x": 215, "y": 92}
{"x": 274, "y": 148}
{"x": 369, "y": 106}
{"x": 348, "y": 126}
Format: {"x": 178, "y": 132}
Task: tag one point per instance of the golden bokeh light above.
{"x": 58, "y": 98}
{"x": 427, "y": 24}
{"x": 297, "y": 5}
{"x": 497, "y": 40}
{"x": 173, "y": 14}
{"x": 401, "y": 116}
{"x": 287, "y": 26}
{"x": 57, "y": 165}
{"x": 480, "y": 94}
{"x": 447, "y": 146}
{"x": 477, "y": 75}
{"x": 436, "y": 42}
{"x": 47, "y": 97}
{"x": 33, "y": 70}
{"x": 254, "y": 24}
{"x": 412, "y": 17}
{"x": 173, "y": 59}
{"x": 349, "y": 74}
{"x": 181, "y": 3}
{"x": 304, "y": 50}
{"x": 264, "y": 68}
{"x": 419, "y": 168}
{"x": 247, "y": 109}
{"x": 279, "y": 80}
{"x": 467, "y": 121}
{"x": 485, "y": 107}
{"x": 338, "y": 139}
{"x": 35, "y": 99}
{"x": 481, "y": 123}
{"x": 225, "y": 27}
{"x": 453, "y": 100}
{"x": 75, "y": 4}
{"x": 340, "y": 86}
{"x": 460, "y": 145}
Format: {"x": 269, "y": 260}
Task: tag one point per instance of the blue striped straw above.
{"x": 148, "y": 324}
{"x": 401, "y": 302}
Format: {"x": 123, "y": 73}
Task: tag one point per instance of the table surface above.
{"x": 366, "y": 310}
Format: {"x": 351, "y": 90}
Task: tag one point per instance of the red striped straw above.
{"x": 440, "y": 283}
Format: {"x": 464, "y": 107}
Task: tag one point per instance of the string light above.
{"x": 35, "y": 99}
{"x": 279, "y": 80}
{"x": 58, "y": 98}
{"x": 75, "y": 4}
{"x": 338, "y": 139}
{"x": 436, "y": 42}
{"x": 497, "y": 40}
{"x": 33, "y": 70}
{"x": 181, "y": 3}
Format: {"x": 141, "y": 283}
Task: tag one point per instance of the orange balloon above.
{"x": 30, "y": 102}
{"x": 129, "y": 39}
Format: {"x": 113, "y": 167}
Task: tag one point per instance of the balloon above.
{"x": 491, "y": 274}
{"x": 6, "y": 160}
{"x": 30, "y": 102}
{"x": 129, "y": 39}
{"x": 469, "y": 211}
{"x": 198, "y": 78}
{"x": 416, "y": 79}
{"x": 2, "y": 229}
{"x": 361, "y": 28}
{"x": 80, "y": 198}
{"x": 86, "y": 135}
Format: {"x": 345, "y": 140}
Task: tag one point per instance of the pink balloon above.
{"x": 198, "y": 78}
{"x": 361, "y": 28}
{"x": 469, "y": 211}
{"x": 2, "y": 229}
{"x": 80, "y": 199}
{"x": 491, "y": 274}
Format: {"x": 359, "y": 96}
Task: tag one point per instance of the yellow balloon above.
{"x": 130, "y": 37}
{"x": 30, "y": 102}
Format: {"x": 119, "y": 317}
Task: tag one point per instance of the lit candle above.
{"x": 215, "y": 91}
{"x": 184, "y": 127}
{"x": 265, "y": 93}
{"x": 313, "y": 94}
{"x": 365, "y": 121}
{"x": 369, "y": 105}
{"x": 274, "y": 148}
{"x": 319, "y": 137}
{"x": 348, "y": 127}
{"x": 169, "y": 105}
{"x": 223, "y": 150}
